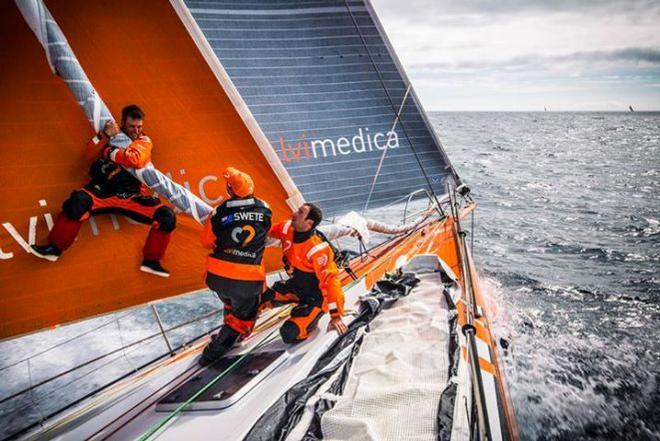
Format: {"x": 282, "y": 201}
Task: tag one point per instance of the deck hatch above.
{"x": 229, "y": 389}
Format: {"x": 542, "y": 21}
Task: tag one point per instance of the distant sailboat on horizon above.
{"x": 631, "y": 109}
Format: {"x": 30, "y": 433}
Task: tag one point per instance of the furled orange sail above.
{"x": 196, "y": 132}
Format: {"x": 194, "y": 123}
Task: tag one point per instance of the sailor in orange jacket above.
{"x": 236, "y": 232}
{"x": 313, "y": 285}
{"x": 114, "y": 190}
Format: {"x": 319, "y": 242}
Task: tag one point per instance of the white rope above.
{"x": 382, "y": 157}
{"x": 96, "y": 112}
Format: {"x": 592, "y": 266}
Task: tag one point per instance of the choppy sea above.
{"x": 567, "y": 237}
{"x": 567, "y": 241}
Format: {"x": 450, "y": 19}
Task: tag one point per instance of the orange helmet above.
{"x": 241, "y": 184}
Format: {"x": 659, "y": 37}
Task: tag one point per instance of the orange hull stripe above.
{"x": 484, "y": 364}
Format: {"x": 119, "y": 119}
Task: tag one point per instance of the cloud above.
{"x": 649, "y": 55}
{"x": 429, "y": 10}
{"x": 516, "y": 54}
{"x": 634, "y": 54}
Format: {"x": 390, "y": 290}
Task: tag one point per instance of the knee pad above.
{"x": 289, "y": 332}
{"x": 166, "y": 219}
{"x": 78, "y": 204}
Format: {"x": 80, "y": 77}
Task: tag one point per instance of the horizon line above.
{"x": 544, "y": 111}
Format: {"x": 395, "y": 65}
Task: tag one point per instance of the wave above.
{"x": 602, "y": 254}
{"x": 577, "y": 383}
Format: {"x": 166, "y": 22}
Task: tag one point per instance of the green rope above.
{"x": 151, "y": 432}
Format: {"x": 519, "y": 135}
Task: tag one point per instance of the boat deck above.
{"x": 408, "y": 344}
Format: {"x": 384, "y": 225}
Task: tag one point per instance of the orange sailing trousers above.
{"x": 304, "y": 316}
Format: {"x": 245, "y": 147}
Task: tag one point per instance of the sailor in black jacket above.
{"x": 236, "y": 232}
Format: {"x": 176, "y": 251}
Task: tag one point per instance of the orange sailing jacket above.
{"x": 313, "y": 262}
{"x": 108, "y": 178}
{"x": 136, "y": 155}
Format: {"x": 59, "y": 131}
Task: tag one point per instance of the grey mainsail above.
{"x": 328, "y": 92}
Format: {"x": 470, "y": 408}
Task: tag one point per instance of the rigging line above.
{"x": 389, "y": 98}
{"x": 77, "y": 401}
{"x": 382, "y": 157}
{"x": 121, "y": 341}
{"x": 108, "y": 354}
{"x": 161, "y": 425}
{"x": 62, "y": 387}
{"x": 105, "y": 387}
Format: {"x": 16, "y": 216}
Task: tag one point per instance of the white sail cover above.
{"x": 396, "y": 380}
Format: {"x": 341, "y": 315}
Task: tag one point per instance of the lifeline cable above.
{"x": 62, "y": 343}
{"x": 389, "y": 98}
{"x": 101, "y": 357}
{"x": 52, "y": 392}
{"x": 161, "y": 425}
{"x": 92, "y": 393}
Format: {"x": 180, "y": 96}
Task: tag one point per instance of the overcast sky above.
{"x": 524, "y": 55}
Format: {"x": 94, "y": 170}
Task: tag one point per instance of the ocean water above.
{"x": 567, "y": 238}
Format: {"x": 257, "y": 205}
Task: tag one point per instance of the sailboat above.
{"x": 310, "y": 99}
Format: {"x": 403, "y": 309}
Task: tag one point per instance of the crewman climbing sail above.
{"x": 114, "y": 190}
{"x": 313, "y": 284}
{"x": 236, "y": 232}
